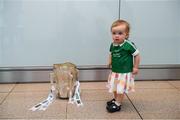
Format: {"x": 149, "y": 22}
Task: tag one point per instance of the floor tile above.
{"x": 93, "y": 85}
{"x": 161, "y": 116}
{"x": 97, "y": 110}
{"x": 154, "y": 101}
{"x": 176, "y": 84}
{"x": 17, "y": 106}
{"x": 92, "y": 95}
{"x": 3, "y": 97}
{"x": 153, "y": 84}
{"x": 6, "y": 87}
{"x": 57, "y": 110}
{"x": 33, "y": 87}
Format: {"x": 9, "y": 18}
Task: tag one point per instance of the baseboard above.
{"x": 86, "y": 73}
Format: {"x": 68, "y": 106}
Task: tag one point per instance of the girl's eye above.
{"x": 120, "y": 33}
{"x": 113, "y": 33}
{"x": 117, "y": 33}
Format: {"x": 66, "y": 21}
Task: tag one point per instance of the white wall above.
{"x": 178, "y": 44}
{"x": 155, "y": 29}
{"x": 1, "y": 29}
{"x": 43, "y": 32}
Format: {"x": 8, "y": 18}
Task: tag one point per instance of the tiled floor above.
{"x": 152, "y": 100}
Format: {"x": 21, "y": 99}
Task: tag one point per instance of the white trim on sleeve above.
{"x": 136, "y": 52}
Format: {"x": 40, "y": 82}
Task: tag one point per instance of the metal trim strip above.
{"x": 85, "y": 67}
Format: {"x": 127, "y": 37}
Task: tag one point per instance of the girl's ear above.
{"x": 127, "y": 35}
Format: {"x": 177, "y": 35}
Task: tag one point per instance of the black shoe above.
{"x": 113, "y": 108}
{"x": 110, "y": 102}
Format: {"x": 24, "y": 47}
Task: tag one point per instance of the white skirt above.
{"x": 121, "y": 82}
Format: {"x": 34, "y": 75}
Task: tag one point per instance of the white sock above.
{"x": 117, "y": 103}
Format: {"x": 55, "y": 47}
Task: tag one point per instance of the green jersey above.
{"x": 122, "y": 56}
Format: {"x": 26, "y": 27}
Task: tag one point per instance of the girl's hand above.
{"x": 135, "y": 71}
{"x": 109, "y": 65}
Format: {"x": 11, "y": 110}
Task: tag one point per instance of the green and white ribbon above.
{"x": 73, "y": 98}
{"x": 44, "y": 104}
{"x": 76, "y": 97}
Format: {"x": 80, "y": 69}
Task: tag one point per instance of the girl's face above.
{"x": 119, "y": 34}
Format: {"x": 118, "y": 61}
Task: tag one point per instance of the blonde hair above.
{"x": 122, "y": 22}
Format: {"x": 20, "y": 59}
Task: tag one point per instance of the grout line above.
{"x": 93, "y": 89}
{"x": 134, "y": 107}
{"x": 66, "y": 109}
{"x": 119, "y": 6}
{"x": 8, "y": 94}
{"x": 30, "y": 91}
{"x": 173, "y": 85}
{"x": 155, "y": 88}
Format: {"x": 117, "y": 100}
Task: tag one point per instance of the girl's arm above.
{"x": 109, "y": 61}
{"x": 136, "y": 64}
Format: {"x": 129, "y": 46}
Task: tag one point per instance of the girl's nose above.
{"x": 116, "y": 35}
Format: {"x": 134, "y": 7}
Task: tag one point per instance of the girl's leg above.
{"x": 116, "y": 106}
{"x": 115, "y": 95}
{"x": 119, "y": 99}
{"x": 113, "y": 100}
